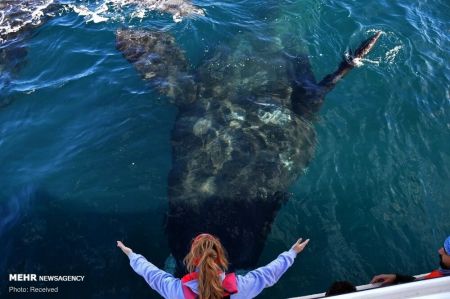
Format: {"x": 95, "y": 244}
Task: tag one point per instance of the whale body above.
{"x": 243, "y": 134}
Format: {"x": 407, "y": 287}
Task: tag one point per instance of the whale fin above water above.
{"x": 159, "y": 61}
{"x": 308, "y": 96}
{"x": 330, "y": 81}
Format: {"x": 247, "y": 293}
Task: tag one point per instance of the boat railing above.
{"x": 437, "y": 288}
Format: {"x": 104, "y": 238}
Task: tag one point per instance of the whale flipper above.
{"x": 308, "y": 97}
{"x": 330, "y": 81}
{"x": 159, "y": 61}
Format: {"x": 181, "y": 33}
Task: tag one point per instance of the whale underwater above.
{"x": 19, "y": 18}
{"x": 244, "y": 130}
{"x": 242, "y": 135}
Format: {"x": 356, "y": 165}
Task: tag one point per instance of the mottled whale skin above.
{"x": 242, "y": 135}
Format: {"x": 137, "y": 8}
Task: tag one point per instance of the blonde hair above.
{"x": 208, "y": 255}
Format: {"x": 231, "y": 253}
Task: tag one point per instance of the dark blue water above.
{"x": 85, "y": 145}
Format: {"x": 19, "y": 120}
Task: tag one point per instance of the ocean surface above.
{"x": 85, "y": 143}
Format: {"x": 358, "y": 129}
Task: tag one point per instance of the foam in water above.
{"x": 115, "y": 9}
{"x": 389, "y": 56}
{"x": 91, "y": 16}
{"x": 17, "y": 15}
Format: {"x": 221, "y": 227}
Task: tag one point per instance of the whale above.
{"x": 244, "y": 132}
{"x": 19, "y": 18}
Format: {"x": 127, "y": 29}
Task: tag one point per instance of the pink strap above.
{"x": 188, "y": 293}
{"x": 229, "y": 284}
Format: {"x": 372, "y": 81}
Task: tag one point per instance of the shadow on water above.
{"x": 12, "y": 60}
{"x": 41, "y": 235}
{"x": 17, "y": 21}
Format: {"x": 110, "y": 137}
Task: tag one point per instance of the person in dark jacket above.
{"x": 339, "y": 288}
{"x": 443, "y": 270}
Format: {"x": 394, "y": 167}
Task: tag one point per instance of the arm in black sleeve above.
{"x": 399, "y": 278}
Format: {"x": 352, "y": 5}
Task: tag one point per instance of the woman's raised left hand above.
{"x": 124, "y": 248}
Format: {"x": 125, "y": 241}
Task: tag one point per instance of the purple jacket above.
{"x": 249, "y": 285}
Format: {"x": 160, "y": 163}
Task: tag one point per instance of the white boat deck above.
{"x": 437, "y": 288}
